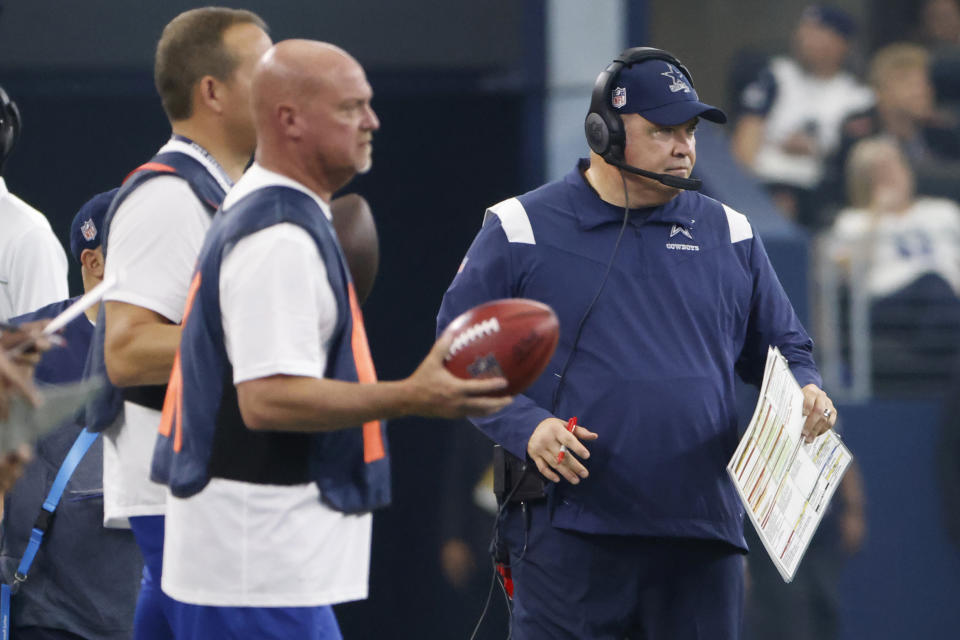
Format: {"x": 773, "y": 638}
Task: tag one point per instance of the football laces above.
{"x": 473, "y": 333}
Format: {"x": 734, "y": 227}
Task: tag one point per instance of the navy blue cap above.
{"x": 659, "y": 92}
{"x": 86, "y": 226}
{"x": 833, "y": 18}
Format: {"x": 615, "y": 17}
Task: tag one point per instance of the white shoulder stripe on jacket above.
{"x": 513, "y": 218}
{"x": 740, "y": 228}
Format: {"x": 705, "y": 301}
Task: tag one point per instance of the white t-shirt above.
{"x": 245, "y": 544}
{"x": 803, "y": 103}
{"x": 901, "y": 247}
{"x": 155, "y": 238}
{"x": 33, "y": 264}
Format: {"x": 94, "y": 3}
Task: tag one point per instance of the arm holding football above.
{"x": 303, "y": 403}
{"x": 488, "y": 273}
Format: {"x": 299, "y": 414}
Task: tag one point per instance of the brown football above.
{"x": 513, "y": 337}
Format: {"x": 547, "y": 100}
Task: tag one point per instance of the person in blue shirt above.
{"x": 84, "y": 580}
{"x": 663, "y": 296}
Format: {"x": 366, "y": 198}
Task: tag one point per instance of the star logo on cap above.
{"x": 677, "y": 83}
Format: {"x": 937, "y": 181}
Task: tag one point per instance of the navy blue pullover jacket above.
{"x": 691, "y": 300}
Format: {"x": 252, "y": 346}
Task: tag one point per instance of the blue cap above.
{"x": 832, "y": 18}
{"x": 86, "y": 226}
{"x": 659, "y": 92}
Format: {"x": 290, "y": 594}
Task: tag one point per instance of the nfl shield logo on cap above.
{"x": 618, "y": 98}
{"x": 89, "y": 230}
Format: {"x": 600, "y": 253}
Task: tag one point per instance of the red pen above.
{"x": 571, "y": 424}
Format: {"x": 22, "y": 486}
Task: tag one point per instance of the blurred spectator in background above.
{"x": 33, "y": 264}
{"x": 792, "y": 112}
{"x": 906, "y": 112}
{"x": 938, "y": 26}
{"x": 905, "y": 252}
{"x": 938, "y": 29}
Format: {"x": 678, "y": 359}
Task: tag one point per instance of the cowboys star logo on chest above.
{"x": 678, "y": 244}
{"x": 679, "y": 228}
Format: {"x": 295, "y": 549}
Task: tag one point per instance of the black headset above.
{"x": 9, "y": 126}
{"x": 604, "y": 126}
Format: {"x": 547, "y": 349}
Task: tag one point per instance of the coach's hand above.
{"x": 437, "y": 393}
{"x": 819, "y": 410}
{"x": 544, "y": 448}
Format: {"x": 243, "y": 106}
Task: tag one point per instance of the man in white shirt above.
{"x": 33, "y": 264}
{"x": 271, "y": 473}
{"x": 794, "y": 109}
{"x": 204, "y": 62}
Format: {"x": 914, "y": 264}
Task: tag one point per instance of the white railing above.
{"x": 905, "y": 347}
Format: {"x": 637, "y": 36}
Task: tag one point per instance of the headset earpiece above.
{"x": 602, "y": 126}
{"x": 598, "y": 133}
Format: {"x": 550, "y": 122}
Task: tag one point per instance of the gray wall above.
{"x": 582, "y": 39}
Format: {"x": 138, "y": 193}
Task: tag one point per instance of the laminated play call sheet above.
{"x": 784, "y": 483}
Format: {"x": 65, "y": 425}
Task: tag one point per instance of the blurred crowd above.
{"x": 868, "y": 160}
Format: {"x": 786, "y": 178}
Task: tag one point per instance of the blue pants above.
{"x": 267, "y": 623}
{"x": 576, "y": 586}
{"x": 154, "y": 618}
{"x": 160, "y": 617}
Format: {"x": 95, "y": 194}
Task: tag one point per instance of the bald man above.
{"x": 271, "y": 440}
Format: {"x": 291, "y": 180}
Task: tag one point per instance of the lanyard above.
{"x": 206, "y": 156}
{"x": 69, "y": 465}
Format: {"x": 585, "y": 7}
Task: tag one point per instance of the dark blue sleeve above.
{"x": 488, "y": 273}
{"x": 757, "y": 98}
{"x": 773, "y": 322}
